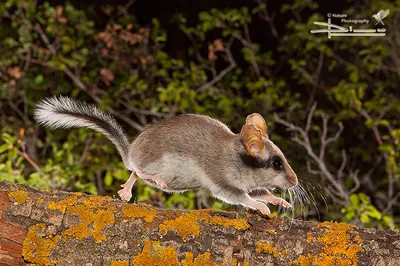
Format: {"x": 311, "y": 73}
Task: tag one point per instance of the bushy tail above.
{"x": 64, "y": 112}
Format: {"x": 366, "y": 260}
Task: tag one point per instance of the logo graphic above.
{"x": 381, "y": 15}
{"x": 336, "y": 30}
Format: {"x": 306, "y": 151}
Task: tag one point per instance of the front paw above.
{"x": 263, "y": 208}
{"x": 285, "y": 204}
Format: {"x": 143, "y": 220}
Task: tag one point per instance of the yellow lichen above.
{"x": 200, "y": 260}
{"x": 62, "y": 205}
{"x": 240, "y": 223}
{"x": 270, "y": 230}
{"x": 37, "y": 247}
{"x": 134, "y": 211}
{"x": 119, "y": 263}
{"x": 155, "y": 254}
{"x": 245, "y": 263}
{"x": 310, "y": 237}
{"x": 184, "y": 225}
{"x": 94, "y": 214}
{"x": 19, "y": 196}
{"x": 40, "y": 201}
{"x": 266, "y": 248}
{"x": 337, "y": 246}
{"x": 188, "y": 223}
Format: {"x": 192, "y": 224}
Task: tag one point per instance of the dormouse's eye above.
{"x": 277, "y": 164}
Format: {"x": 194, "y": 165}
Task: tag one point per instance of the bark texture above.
{"x": 59, "y": 228}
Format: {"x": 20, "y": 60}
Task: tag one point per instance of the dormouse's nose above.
{"x": 291, "y": 177}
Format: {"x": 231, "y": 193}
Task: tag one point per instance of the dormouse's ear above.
{"x": 259, "y": 123}
{"x": 252, "y": 140}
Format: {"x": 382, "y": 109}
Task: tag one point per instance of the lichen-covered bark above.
{"x": 58, "y": 228}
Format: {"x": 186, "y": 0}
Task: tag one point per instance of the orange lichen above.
{"x": 93, "y": 213}
{"x": 134, "y": 211}
{"x": 200, "y": 260}
{"x": 338, "y": 248}
{"x": 266, "y": 248}
{"x": 19, "y": 196}
{"x": 240, "y": 223}
{"x": 310, "y": 237}
{"x": 270, "y": 230}
{"x": 155, "y": 254}
{"x": 62, "y": 205}
{"x": 184, "y": 225}
{"x": 37, "y": 246}
{"x": 188, "y": 223}
{"x": 119, "y": 263}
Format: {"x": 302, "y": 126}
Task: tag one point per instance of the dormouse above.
{"x": 188, "y": 151}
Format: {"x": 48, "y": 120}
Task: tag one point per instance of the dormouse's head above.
{"x": 269, "y": 165}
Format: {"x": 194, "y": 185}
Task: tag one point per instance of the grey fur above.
{"x": 64, "y": 112}
{"x": 187, "y": 152}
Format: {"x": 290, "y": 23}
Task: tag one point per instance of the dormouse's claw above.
{"x": 285, "y": 204}
{"x": 265, "y": 210}
{"x": 268, "y": 212}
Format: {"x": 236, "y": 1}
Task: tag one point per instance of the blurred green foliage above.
{"x": 126, "y": 69}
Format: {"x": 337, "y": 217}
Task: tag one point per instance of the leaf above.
{"x": 218, "y": 45}
{"x": 4, "y": 147}
{"x": 15, "y": 72}
{"x": 354, "y": 200}
{"x": 108, "y": 179}
{"x": 383, "y": 122}
{"x": 38, "y": 79}
{"x": 6, "y": 177}
{"x": 59, "y": 10}
{"x": 389, "y": 221}
{"x": 107, "y": 75}
{"x": 8, "y": 138}
{"x": 365, "y": 219}
{"x": 204, "y": 16}
{"x": 211, "y": 55}
{"x": 364, "y": 198}
{"x": 371, "y": 211}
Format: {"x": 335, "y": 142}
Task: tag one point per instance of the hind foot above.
{"x": 126, "y": 192}
{"x": 154, "y": 179}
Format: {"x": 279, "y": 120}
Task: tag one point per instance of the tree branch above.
{"x": 47, "y": 228}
